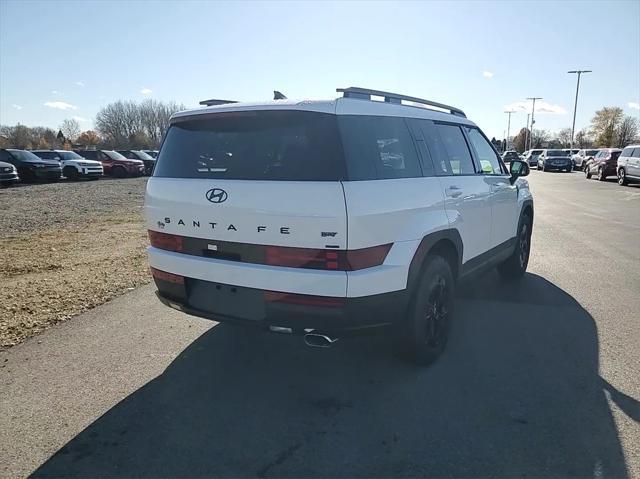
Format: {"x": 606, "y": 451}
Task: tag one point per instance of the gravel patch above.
{"x": 66, "y": 248}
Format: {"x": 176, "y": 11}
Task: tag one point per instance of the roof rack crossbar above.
{"x": 214, "y": 102}
{"x": 366, "y": 94}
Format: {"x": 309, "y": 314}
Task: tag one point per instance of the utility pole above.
{"x": 509, "y": 112}
{"x": 575, "y": 105}
{"x": 526, "y": 133}
{"x": 533, "y": 121}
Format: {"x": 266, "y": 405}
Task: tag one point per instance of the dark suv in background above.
{"x": 30, "y": 167}
{"x": 148, "y": 160}
{"x": 114, "y": 163}
{"x": 604, "y": 164}
{"x": 555, "y": 160}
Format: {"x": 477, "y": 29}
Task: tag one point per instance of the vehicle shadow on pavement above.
{"x": 517, "y": 393}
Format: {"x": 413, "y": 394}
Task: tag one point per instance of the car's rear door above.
{"x": 634, "y": 163}
{"x": 467, "y": 194}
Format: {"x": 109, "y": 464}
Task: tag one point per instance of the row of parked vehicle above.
{"x": 602, "y": 163}
{"x": 51, "y": 165}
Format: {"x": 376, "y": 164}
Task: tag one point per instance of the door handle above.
{"x": 453, "y": 191}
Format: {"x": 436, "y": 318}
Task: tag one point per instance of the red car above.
{"x": 114, "y": 163}
{"x": 604, "y": 164}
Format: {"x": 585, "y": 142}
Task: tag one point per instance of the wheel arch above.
{"x": 446, "y": 243}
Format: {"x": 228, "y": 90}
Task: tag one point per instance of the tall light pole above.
{"x": 533, "y": 121}
{"x": 526, "y": 132}
{"x": 575, "y": 105}
{"x": 509, "y": 112}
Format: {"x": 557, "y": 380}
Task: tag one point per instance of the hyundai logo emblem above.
{"x": 216, "y": 195}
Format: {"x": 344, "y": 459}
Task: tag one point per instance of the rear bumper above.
{"x": 235, "y": 304}
{"x": 558, "y": 166}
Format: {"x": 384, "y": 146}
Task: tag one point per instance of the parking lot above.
{"x": 540, "y": 378}
{"x": 67, "y": 247}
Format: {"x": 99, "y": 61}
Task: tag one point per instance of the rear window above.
{"x": 264, "y": 145}
{"x": 557, "y": 153}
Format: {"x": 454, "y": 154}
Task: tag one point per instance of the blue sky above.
{"x": 66, "y": 59}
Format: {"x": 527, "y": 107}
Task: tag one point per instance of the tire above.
{"x": 118, "y": 172}
{"x": 70, "y": 173}
{"x": 515, "y": 266}
{"x": 622, "y": 177}
{"x": 601, "y": 176}
{"x": 587, "y": 173}
{"x": 422, "y": 335}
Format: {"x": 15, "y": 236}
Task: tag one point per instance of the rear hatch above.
{"x": 251, "y": 177}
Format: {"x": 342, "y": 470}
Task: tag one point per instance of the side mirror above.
{"x": 517, "y": 169}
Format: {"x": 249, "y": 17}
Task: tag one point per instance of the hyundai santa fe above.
{"x": 330, "y": 218}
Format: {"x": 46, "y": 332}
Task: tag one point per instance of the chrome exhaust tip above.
{"x": 316, "y": 340}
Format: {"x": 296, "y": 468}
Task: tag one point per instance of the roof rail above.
{"x": 214, "y": 102}
{"x": 366, "y": 94}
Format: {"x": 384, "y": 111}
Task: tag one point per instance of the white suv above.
{"x": 325, "y": 218}
{"x": 73, "y": 165}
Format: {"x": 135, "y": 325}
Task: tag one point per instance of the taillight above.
{"x": 302, "y": 257}
{"x": 367, "y": 257}
{"x": 169, "y": 277}
{"x": 303, "y": 299}
{"x": 337, "y": 260}
{"x": 165, "y": 241}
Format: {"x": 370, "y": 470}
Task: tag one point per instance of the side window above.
{"x": 454, "y": 150}
{"x": 627, "y": 152}
{"x": 378, "y": 147}
{"x": 636, "y": 153}
{"x": 4, "y": 156}
{"x": 489, "y": 162}
{"x": 102, "y": 156}
{"x": 128, "y": 154}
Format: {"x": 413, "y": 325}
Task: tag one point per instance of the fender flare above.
{"x": 426, "y": 246}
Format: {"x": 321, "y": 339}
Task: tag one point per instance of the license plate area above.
{"x": 226, "y": 300}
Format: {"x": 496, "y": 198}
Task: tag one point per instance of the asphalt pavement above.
{"x": 541, "y": 378}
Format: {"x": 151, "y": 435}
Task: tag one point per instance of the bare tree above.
{"x": 539, "y": 138}
{"x": 563, "y": 137}
{"x": 583, "y": 140}
{"x": 627, "y": 131}
{"x": 604, "y": 125}
{"x": 70, "y": 128}
{"x": 126, "y": 124}
{"x": 519, "y": 140}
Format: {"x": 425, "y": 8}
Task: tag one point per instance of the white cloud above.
{"x": 635, "y": 106}
{"x": 17, "y": 107}
{"x": 79, "y": 83}
{"x": 487, "y": 74}
{"x": 541, "y": 107}
{"x": 146, "y": 91}
{"x": 79, "y": 119}
{"x": 60, "y": 105}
